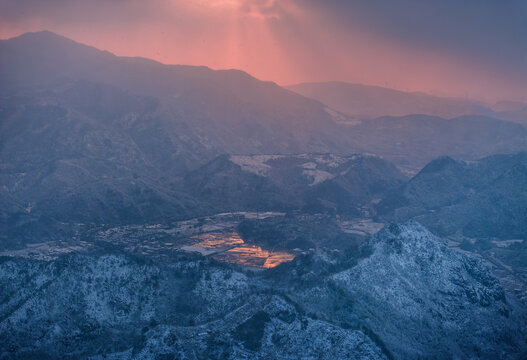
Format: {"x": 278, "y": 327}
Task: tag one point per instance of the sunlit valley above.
{"x": 231, "y": 248}
{"x": 315, "y": 180}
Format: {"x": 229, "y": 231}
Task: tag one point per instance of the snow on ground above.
{"x": 256, "y": 164}
{"x": 317, "y": 176}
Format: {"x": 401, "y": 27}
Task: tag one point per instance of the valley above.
{"x": 213, "y": 236}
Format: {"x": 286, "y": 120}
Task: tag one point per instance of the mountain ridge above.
{"x": 471, "y": 198}
{"x": 370, "y": 101}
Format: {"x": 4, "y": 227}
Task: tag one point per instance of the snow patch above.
{"x": 256, "y": 164}
{"x": 317, "y": 176}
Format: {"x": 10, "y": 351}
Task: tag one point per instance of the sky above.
{"x": 471, "y": 48}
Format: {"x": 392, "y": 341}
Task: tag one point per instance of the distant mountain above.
{"x": 405, "y": 296}
{"x": 479, "y": 199}
{"x": 411, "y": 129}
{"x": 414, "y": 140}
{"x": 366, "y": 101}
{"x": 311, "y": 182}
{"x": 511, "y": 111}
{"x": 224, "y": 110}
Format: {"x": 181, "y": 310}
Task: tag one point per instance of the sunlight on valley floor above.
{"x": 230, "y": 247}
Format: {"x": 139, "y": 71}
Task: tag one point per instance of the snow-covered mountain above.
{"x": 406, "y": 296}
{"x": 425, "y": 300}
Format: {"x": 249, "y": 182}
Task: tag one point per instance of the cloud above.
{"x": 491, "y": 29}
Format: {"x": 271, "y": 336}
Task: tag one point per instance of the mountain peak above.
{"x": 409, "y": 236}
{"x": 407, "y": 274}
{"x": 439, "y": 164}
{"x": 39, "y": 34}
{"x": 405, "y": 229}
{"x": 39, "y": 39}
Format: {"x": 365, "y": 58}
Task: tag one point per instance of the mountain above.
{"x": 425, "y": 300}
{"x": 62, "y": 166}
{"x": 212, "y": 107}
{"x": 143, "y": 208}
{"x": 478, "y": 199}
{"x": 411, "y": 129}
{"x": 404, "y": 296}
{"x": 511, "y": 111}
{"x": 366, "y": 101}
{"x": 126, "y": 308}
{"x": 414, "y": 140}
{"x": 311, "y": 182}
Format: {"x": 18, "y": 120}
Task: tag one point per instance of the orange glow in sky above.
{"x": 287, "y": 41}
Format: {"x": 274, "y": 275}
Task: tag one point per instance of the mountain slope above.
{"x": 83, "y": 306}
{"x": 217, "y": 106}
{"x": 422, "y": 299}
{"x": 460, "y": 299}
{"x": 485, "y": 198}
{"x": 312, "y": 182}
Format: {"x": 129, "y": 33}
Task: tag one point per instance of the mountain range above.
{"x": 414, "y": 140}
{"x": 367, "y": 101}
{"x": 87, "y": 136}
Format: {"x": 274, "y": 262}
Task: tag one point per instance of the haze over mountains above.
{"x": 111, "y": 168}
{"x": 201, "y": 111}
{"x": 367, "y": 101}
{"x": 220, "y": 105}
{"x": 412, "y": 141}
{"x": 411, "y": 129}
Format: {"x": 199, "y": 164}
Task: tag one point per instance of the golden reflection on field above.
{"x": 231, "y": 248}
{"x": 218, "y": 240}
